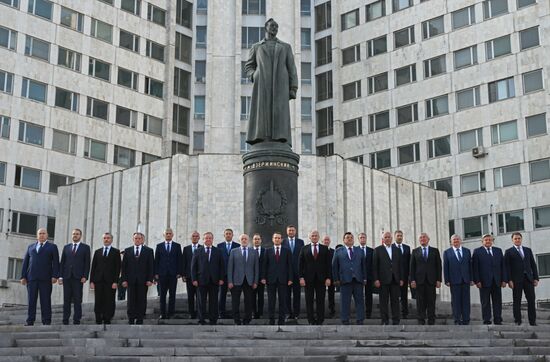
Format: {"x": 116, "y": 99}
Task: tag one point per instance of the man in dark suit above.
{"x": 425, "y": 275}
{"x": 277, "y": 274}
{"x": 489, "y": 276}
{"x": 388, "y": 276}
{"x": 104, "y": 280}
{"x": 188, "y": 252}
{"x": 225, "y": 248}
{"x": 348, "y": 271}
{"x": 523, "y": 277}
{"x": 294, "y": 244}
{"x": 406, "y": 261}
{"x": 40, "y": 270}
{"x": 368, "y": 253}
{"x": 207, "y": 274}
{"x": 75, "y": 269}
{"x": 168, "y": 269}
{"x": 259, "y": 292}
{"x": 331, "y": 288}
{"x": 137, "y": 276}
{"x": 457, "y": 266}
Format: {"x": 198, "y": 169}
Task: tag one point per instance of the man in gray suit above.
{"x": 243, "y": 273}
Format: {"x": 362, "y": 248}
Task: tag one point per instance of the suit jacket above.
{"x": 105, "y": 269}
{"x": 344, "y": 269}
{"x": 225, "y": 254}
{"x": 518, "y": 268}
{"x": 425, "y": 271}
{"x": 298, "y": 245}
{"x": 205, "y": 271}
{"x": 385, "y": 269}
{"x": 405, "y": 261}
{"x": 315, "y": 270}
{"x": 187, "y": 257}
{"x": 75, "y": 266}
{"x": 140, "y": 269}
{"x": 457, "y": 271}
{"x": 331, "y": 257}
{"x": 369, "y": 254}
{"x": 487, "y": 268}
{"x": 239, "y": 268}
{"x": 278, "y": 272}
{"x": 43, "y": 265}
{"x": 261, "y": 259}
{"x": 168, "y": 264}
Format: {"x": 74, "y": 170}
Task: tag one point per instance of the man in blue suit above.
{"x": 225, "y": 248}
{"x": 368, "y": 253}
{"x": 168, "y": 269}
{"x": 349, "y": 271}
{"x": 457, "y": 271}
{"x": 489, "y": 276}
{"x": 40, "y": 270}
{"x": 75, "y": 270}
{"x": 295, "y": 245}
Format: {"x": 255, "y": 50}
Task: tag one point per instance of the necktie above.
{"x": 364, "y": 251}
{"x": 292, "y": 245}
{"x": 459, "y": 254}
{"x": 489, "y": 251}
{"x": 74, "y": 249}
{"x": 105, "y": 252}
{"x": 277, "y": 255}
{"x": 244, "y": 254}
{"x": 208, "y": 253}
{"x": 39, "y": 247}
{"x": 137, "y": 251}
{"x": 168, "y": 247}
{"x": 228, "y": 246}
{"x": 315, "y": 253}
{"x": 193, "y": 249}
{"x": 425, "y": 253}
{"x": 258, "y": 251}
{"x": 350, "y": 252}
{"x": 521, "y": 252}
{"x": 400, "y": 249}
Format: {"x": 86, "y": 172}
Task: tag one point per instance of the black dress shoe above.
{"x": 331, "y": 314}
{"x": 256, "y": 316}
{"x": 498, "y": 323}
{"x": 65, "y": 323}
{"x": 272, "y": 322}
{"x": 518, "y": 323}
{"x": 395, "y": 322}
{"x": 346, "y": 323}
{"x": 533, "y": 324}
{"x": 421, "y": 322}
{"x": 431, "y": 323}
{"x": 281, "y": 322}
{"x": 46, "y": 323}
{"x": 487, "y": 322}
{"x": 359, "y": 323}
{"x": 98, "y": 322}
{"x": 107, "y": 322}
{"x": 213, "y": 323}
{"x": 202, "y": 323}
{"x": 139, "y": 321}
{"x": 238, "y": 323}
{"x": 28, "y": 324}
{"x": 76, "y": 322}
{"x": 384, "y": 323}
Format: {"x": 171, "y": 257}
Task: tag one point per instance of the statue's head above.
{"x": 271, "y": 27}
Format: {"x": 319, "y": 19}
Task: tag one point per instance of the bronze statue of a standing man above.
{"x": 271, "y": 67}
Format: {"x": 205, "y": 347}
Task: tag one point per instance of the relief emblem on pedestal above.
{"x": 270, "y": 206}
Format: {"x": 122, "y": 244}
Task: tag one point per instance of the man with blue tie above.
{"x": 523, "y": 277}
{"x": 295, "y": 245}
{"x": 489, "y": 276}
{"x": 225, "y": 248}
{"x": 40, "y": 270}
{"x": 348, "y": 271}
{"x": 188, "y": 252}
{"x": 75, "y": 269}
{"x": 168, "y": 269}
{"x": 457, "y": 271}
{"x": 406, "y": 261}
{"x": 368, "y": 253}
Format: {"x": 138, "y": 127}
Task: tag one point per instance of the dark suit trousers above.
{"x": 403, "y": 296}
{"x": 236, "y": 291}
{"x": 315, "y": 291}
{"x": 347, "y": 290}
{"x": 425, "y": 301}
{"x": 168, "y": 284}
{"x": 275, "y": 291}
{"x": 528, "y": 288}
{"x": 259, "y": 299}
{"x": 460, "y": 301}
{"x": 223, "y": 299}
{"x": 104, "y": 306}
{"x": 42, "y": 288}
{"x": 368, "y": 298}
{"x": 389, "y": 293}
{"x": 191, "y": 297}
{"x": 210, "y": 292}
{"x": 331, "y": 305}
{"x": 293, "y": 298}
{"x": 487, "y": 295}
{"x": 137, "y": 300}
{"x": 72, "y": 294}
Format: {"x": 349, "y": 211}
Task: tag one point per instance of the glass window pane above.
{"x": 542, "y": 217}
{"x": 536, "y": 125}
{"x": 540, "y": 170}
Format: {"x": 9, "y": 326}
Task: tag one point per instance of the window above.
{"x": 408, "y": 154}
{"x": 198, "y": 141}
{"x": 323, "y": 84}
{"x": 180, "y": 120}
{"x": 542, "y": 217}
{"x": 378, "y": 83}
{"x": 2, "y": 176}
{"x": 352, "y": 90}
{"x": 99, "y": 69}
{"x": 200, "y": 37}
{"x": 492, "y": 8}
{"x": 325, "y": 122}
{"x": 254, "y": 7}
{"x": 31, "y": 134}
{"x": 463, "y": 17}
{"x": 379, "y": 121}
{"x": 507, "y": 176}
{"x": 183, "y": 48}
{"x": 126, "y": 117}
{"x": 529, "y": 38}
{"x": 407, "y": 114}
{"x": 148, "y": 158}
{"x": 12, "y": 3}
{"x": 178, "y": 147}
{"x": 306, "y": 106}
{"x": 4, "y": 127}
{"x": 470, "y": 139}
{"x": 245, "y": 107}
{"x": 202, "y": 8}
{"x": 50, "y": 227}
{"x": 42, "y": 8}
{"x": 475, "y": 226}
{"x": 445, "y": 184}
{"x": 6, "y": 82}
{"x": 110, "y": 2}
{"x": 353, "y": 128}
{"x": 532, "y": 81}
{"x": 405, "y": 75}
{"x": 129, "y": 41}
{"x": 325, "y": 150}
{"x": 184, "y": 13}
{"x": 465, "y": 57}
{"x": 307, "y": 142}
{"x": 377, "y": 46}
{"x": 8, "y": 38}
{"x": 381, "y": 159}
{"x": 152, "y": 125}
{"x": 498, "y": 47}
{"x": 22, "y": 223}
{"x": 472, "y": 183}
{"x": 71, "y": 19}
{"x": 57, "y": 180}
{"x": 323, "y": 17}
{"x": 33, "y": 90}
{"x": 127, "y": 78}
{"x": 467, "y": 98}
{"x": 404, "y": 37}
{"x": 437, "y": 106}
{"x": 15, "y": 267}
{"x": 351, "y": 54}
{"x": 451, "y": 228}
{"x": 504, "y": 132}
{"x": 154, "y": 87}
{"x": 438, "y": 147}
{"x": 305, "y": 7}
{"x": 97, "y": 109}
{"x": 306, "y": 73}
{"x": 540, "y": 170}
{"x": 433, "y": 27}
{"x": 536, "y": 125}
{"x": 350, "y": 19}
{"x": 376, "y": 10}
{"x": 244, "y": 146}
{"x": 200, "y": 105}
{"x": 524, "y": 3}
{"x": 28, "y": 178}
{"x": 323, "y": 51}
{"x": 131, "y": 6}
{"x": 501, "y": 89}
{"x": 182, "y": 83}
{"x": 251, "y": 35}
{"x": 64, "y": 142}
{"x": 66, "y": 99}
{"x": 156, "y": 15}
{"x": 102, "y": 31}
{"x": 37, "y": 48}
{"x": 435, "y": 66}
{"x": 154, "y": 50}
{"x": 401, "y": 4}
{"x": 305, "y": 34}
{"x": 543, "y": 263}
{"x": 124, "y": 157}
{"x": 95, "y": 150}
{"x": 69, "y": 59}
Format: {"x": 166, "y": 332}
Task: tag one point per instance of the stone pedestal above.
{"x": 270, "y": 189}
